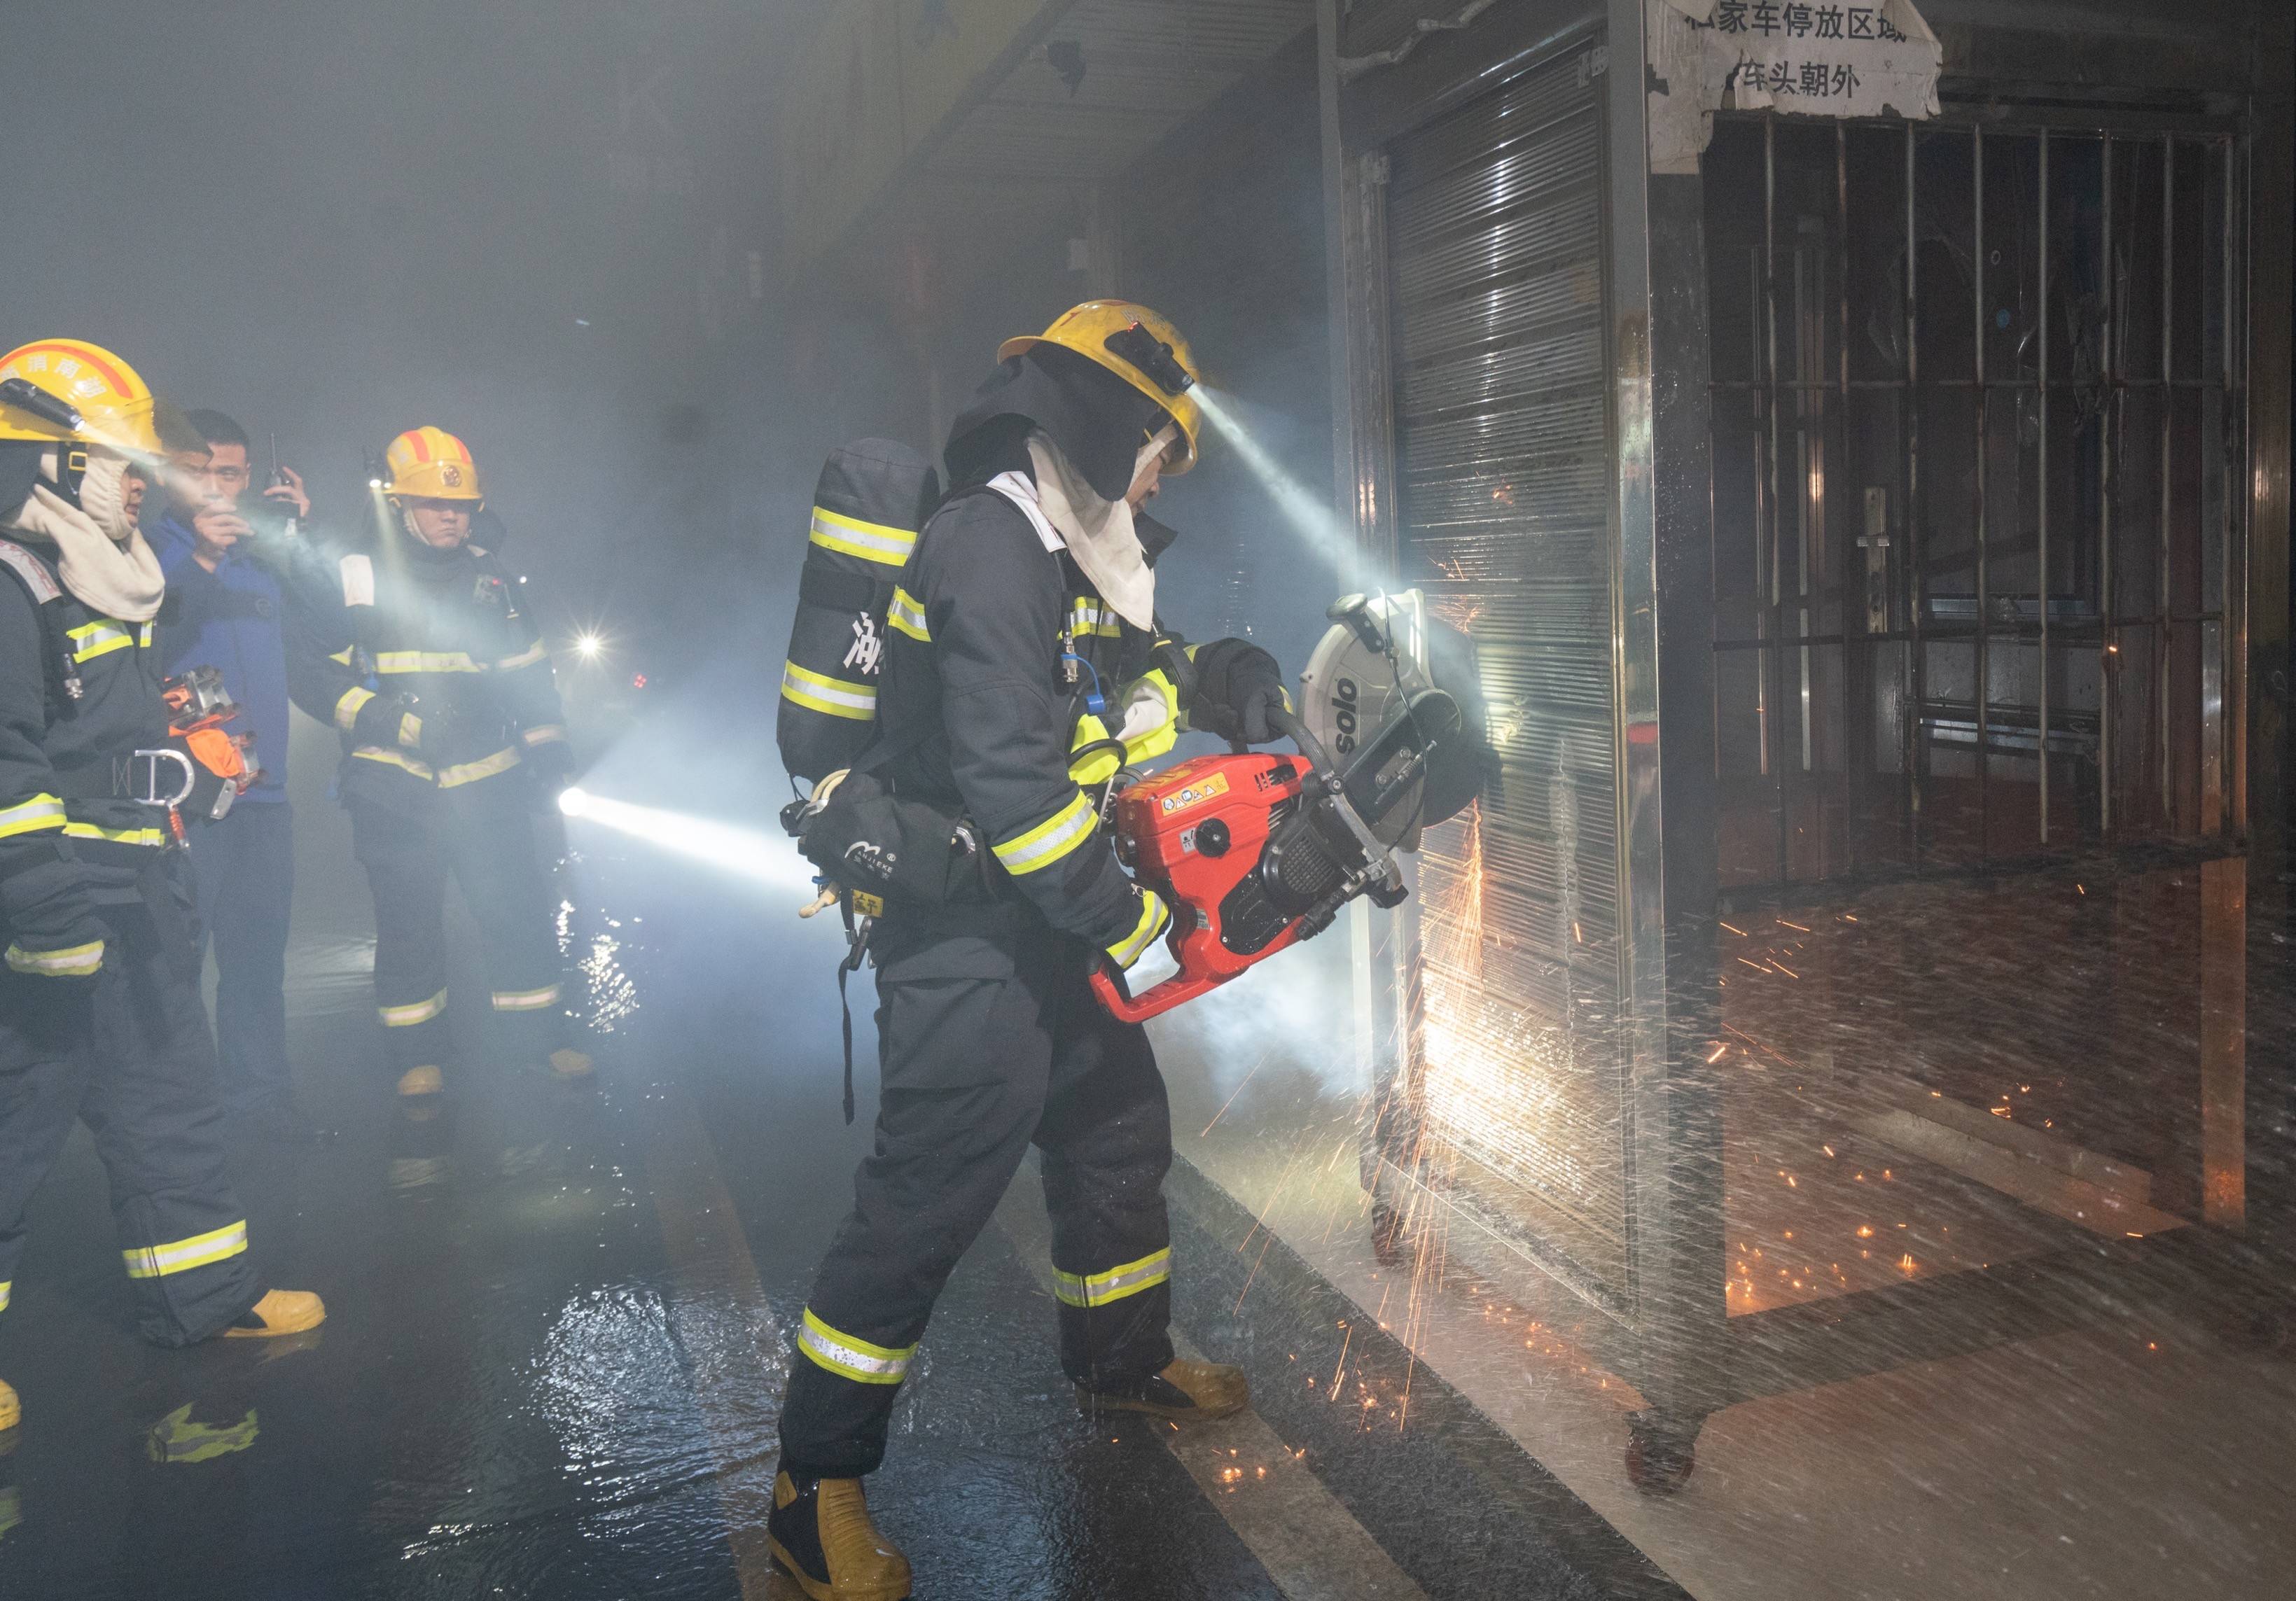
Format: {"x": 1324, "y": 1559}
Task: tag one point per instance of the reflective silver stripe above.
{"x": 837, "y": 697}
{"x": 879, "y": 542}
{"x": 92, "y": 639}
{"x": 1155, "y": 917}
{"x": 525, "y": 1000}
{"x": 73, "y": 962}
{"x": 182, "y": 1255}
{"x": 524, "y": 658}
{"x": 850, "y": 1358}
{"x": 5, "y": 1286}
{"x": 1098, "y": 1289}
{"x": 408, "y": 1016}
{"x": 88, "y": 830}
{"x": 426, "y": 661}
{"x": 41, "y": 812}
{"x": 1087, "y": 618}
{"x": 907, "y": 615}
{"x": 543, "y": 733}
{"x": 502, "y": 760}
{"x": 348, "y": 708}
{"x": 1049, "y": 840}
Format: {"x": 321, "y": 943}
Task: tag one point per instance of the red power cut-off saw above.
{"x": 1256, "y": 852}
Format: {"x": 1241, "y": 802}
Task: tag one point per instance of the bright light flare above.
{"x": 1308, "y": 513}
{"x": 587, "y": 646}
{"x": 737, "y": 852}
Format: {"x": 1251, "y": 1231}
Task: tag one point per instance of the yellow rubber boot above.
{"x": 820, "y": 1534}
{"x": 569, "y": 1064}
{"x": 11, "y": 1413}
{"x": 1183, "y": 1390}
{"x": 279, "y": 1312}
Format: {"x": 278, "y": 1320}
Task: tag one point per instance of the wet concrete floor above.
{"x": 558, "y": 1328}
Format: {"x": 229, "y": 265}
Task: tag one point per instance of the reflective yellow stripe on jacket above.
{"x": 101, "y": 638}
{"x": 1088, "y": 618}
{"x": 351, "y": 705}
{"x": 446, "y": 778}
{"x": 1155, "y": 917}
{"x": 36, "y": 815}
{"x": 427, "y": 661}
{"x": 907, "y": 616}
{"x": 1050, "y": 840}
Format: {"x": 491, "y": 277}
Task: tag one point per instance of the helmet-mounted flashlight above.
{"x": 1154, "y": 357}
{"x": 25, "y": 396}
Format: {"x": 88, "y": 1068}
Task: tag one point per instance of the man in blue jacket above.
{"x": 233, "y": 567}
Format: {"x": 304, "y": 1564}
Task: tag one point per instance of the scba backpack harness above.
{"x": 871, "y": 503}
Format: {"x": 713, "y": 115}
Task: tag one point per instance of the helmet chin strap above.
{"x": 92, "y": 483}
{"x": 407, "y": 523}
{"x": 64, "y": 466}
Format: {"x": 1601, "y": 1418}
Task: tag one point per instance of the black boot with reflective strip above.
{"x": 1183, "y": 1390}
{"x": 820, "y": 1534}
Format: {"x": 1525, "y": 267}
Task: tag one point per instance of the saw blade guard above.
{"x": 1386, "y": 662}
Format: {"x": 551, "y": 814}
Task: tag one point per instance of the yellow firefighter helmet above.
{"x": 1139, "y": 345}
{"x": 431, "y": 464}
{"x": 69, "y": 389}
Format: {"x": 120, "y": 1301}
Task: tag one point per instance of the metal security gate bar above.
{"x": 1976, "y": 560}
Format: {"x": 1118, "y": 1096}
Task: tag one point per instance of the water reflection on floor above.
{"x": 1979, "y": 1174}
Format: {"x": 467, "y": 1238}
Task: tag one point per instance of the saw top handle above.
{"x": 1290, "y": 726}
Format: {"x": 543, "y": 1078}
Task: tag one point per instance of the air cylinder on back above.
{"x": 872, "y": 499}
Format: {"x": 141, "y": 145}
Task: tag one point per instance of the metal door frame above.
{"x": 1674, "y": 1340}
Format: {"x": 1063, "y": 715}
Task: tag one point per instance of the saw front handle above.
{"x": 1183, "y": 985}
{"x": 1155, "y": 1000}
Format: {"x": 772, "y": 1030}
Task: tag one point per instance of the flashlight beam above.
{"x": 739, "y": 852}
{"x": 1315, "y": 521}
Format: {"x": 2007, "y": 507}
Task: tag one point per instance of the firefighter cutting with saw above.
{"x": 1019, "y": 666}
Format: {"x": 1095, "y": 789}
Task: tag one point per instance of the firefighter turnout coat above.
{"x": 434, "y": 677}
{"x": 989, "y": 1039}
{"x": 998, "y": 650}
{"x": 101, "y": 1016}
{"x": 452, "y": 732}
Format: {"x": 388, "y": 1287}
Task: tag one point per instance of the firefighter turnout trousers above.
{"x": 484, "y": 835}
{"x": 988, "y": 1043}
{"x": 128, "y": 1051}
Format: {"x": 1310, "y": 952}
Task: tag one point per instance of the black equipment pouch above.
{"x": 881, "y": 848}
{"x": 887, "y": 849}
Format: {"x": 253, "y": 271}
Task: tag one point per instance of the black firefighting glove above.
{"x": 388, "y": 720}
{"x": 438, "y": 736}
{"x": 1237, "y": 685}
